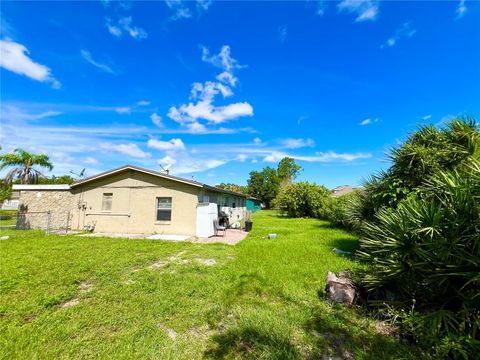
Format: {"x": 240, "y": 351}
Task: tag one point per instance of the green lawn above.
{"x": 261, "y": 299}
{"x": 8, "y": 217}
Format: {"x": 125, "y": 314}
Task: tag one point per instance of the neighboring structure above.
{"x": 131, "y": 200}
{"x": 253, "y": 204}
{"x": 12, "y": 203}
{"x": 343, "y": 189}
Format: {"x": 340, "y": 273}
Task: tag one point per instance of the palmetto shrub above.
{"x": 423, "y": 245}
{"x": 425, "y": 153}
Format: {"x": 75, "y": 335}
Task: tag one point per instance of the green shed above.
{"x": 253, "y": 204}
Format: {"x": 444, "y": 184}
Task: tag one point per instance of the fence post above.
{"x": 66, "y": 225}
{"x": 47, "y": 227}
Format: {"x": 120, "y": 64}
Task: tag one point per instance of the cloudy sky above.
{"x": 214, "y": 90}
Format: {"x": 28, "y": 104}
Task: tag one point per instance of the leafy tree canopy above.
{"x": 233, "y": 187}
{"x": 288, "y": 170}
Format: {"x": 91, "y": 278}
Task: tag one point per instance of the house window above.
{"x": 164, "y": 209}
{"x": 107, "y": 201}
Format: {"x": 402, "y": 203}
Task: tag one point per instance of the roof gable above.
{"x": 135, "y": 168}
{"x": 154, "y": 173}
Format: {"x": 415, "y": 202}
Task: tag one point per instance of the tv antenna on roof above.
{"x": 166, "y": 168}
{"x": 81, "y": 175}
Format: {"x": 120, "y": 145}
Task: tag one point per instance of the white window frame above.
{"x": 107, "y": 202}
{"x": 163, "y": 208}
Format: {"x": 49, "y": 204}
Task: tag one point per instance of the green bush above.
{"x": 301, "y": 199}
{"x": 426, "y": 254}
{"x": 337, "y": 209}
{"x": 423, "y": 154}
{"x": 420, "y": 226}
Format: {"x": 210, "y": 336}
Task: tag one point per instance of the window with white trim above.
{"x": 164, "y": 209}
{"x": 107, "y": 199}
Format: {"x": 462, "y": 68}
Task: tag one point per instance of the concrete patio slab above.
{"x": 232, "y": 237}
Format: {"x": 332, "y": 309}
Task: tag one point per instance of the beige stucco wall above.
{"x": 134, "y": 205}
{"x": 36, "y": 204}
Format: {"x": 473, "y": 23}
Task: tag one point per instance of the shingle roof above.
{"x": 154, "y": 173}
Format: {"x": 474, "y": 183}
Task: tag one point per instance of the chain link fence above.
{"x": 52, "y": 222}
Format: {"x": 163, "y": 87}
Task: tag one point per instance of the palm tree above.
{"x": 23, "y": 163}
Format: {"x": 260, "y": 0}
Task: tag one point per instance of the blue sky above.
{"x": 215, "y": 90}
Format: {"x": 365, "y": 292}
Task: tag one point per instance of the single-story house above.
{"x": 132, "y": 200}
{"x": 343, "y": 190}
{"x": 253, "y": 204}
{"x": 11, "y": 203}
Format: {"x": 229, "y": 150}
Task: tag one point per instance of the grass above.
{"x": 8, "y": 217}
{"x": 262, "y": 299}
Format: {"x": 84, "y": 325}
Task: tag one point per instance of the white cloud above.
{"x": 167, "y": 161}
{"x": 427, "y": 117}
{"x": 367, "y": 121}
{"x": 143, "y": 103}
{"x": 88, "y": 57}
{"x": 123, "y": 110}
{"x": 195, "y": 165}
{"x": 321, "y": 7}
{"x": 364, "y": 9}
{"x": 14, "y": 57}
{"x": 257, "y": 140}
{"x": 274, "y": 156}
{"x": 461, "y": 9}
{"x": 203, "y": 96}
{"x": 282, "y": 32}
{"x": 14, "y": 114}
{"x": 182, "y": 13}
{"x": 204, "y": 4}
{"x": 327, "y": 157}
{"x": 181, "y": 10}
{"x": 156, "y": 119}
{"x": 90, "y": 160}
{"x": 113, "y": 29}
{"x": 242, "y": 157}
{"x": 405, "y": 31}
{"x": 331, "y": 156}
{"x": 124, "y": 25}
{"x": 174, "y": 144}
{"x": 298, "y": 143}
{"x": 129, "y": 149}
{"x": 213, "y": 114}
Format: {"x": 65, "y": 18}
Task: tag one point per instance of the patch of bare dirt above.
{"x": 85, "y": 287}
{"x": 206, "y": 262}
{"x": 172, "y": 334}
{"x": 70, "y": 303}
{"x": 157, "y": 265}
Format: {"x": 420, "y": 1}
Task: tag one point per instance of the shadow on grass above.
{"x": 325, "y": 224}
{"x": 250, "y": 342}
{"x": 338, "y": 335}
{"x": 350, "y": 245}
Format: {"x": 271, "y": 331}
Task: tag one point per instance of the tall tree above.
{"x": 288, "y": 170}
{"x": 233, "y": 187}
{"x": 23, "y": 164}
{"x": 264, "y": 185}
